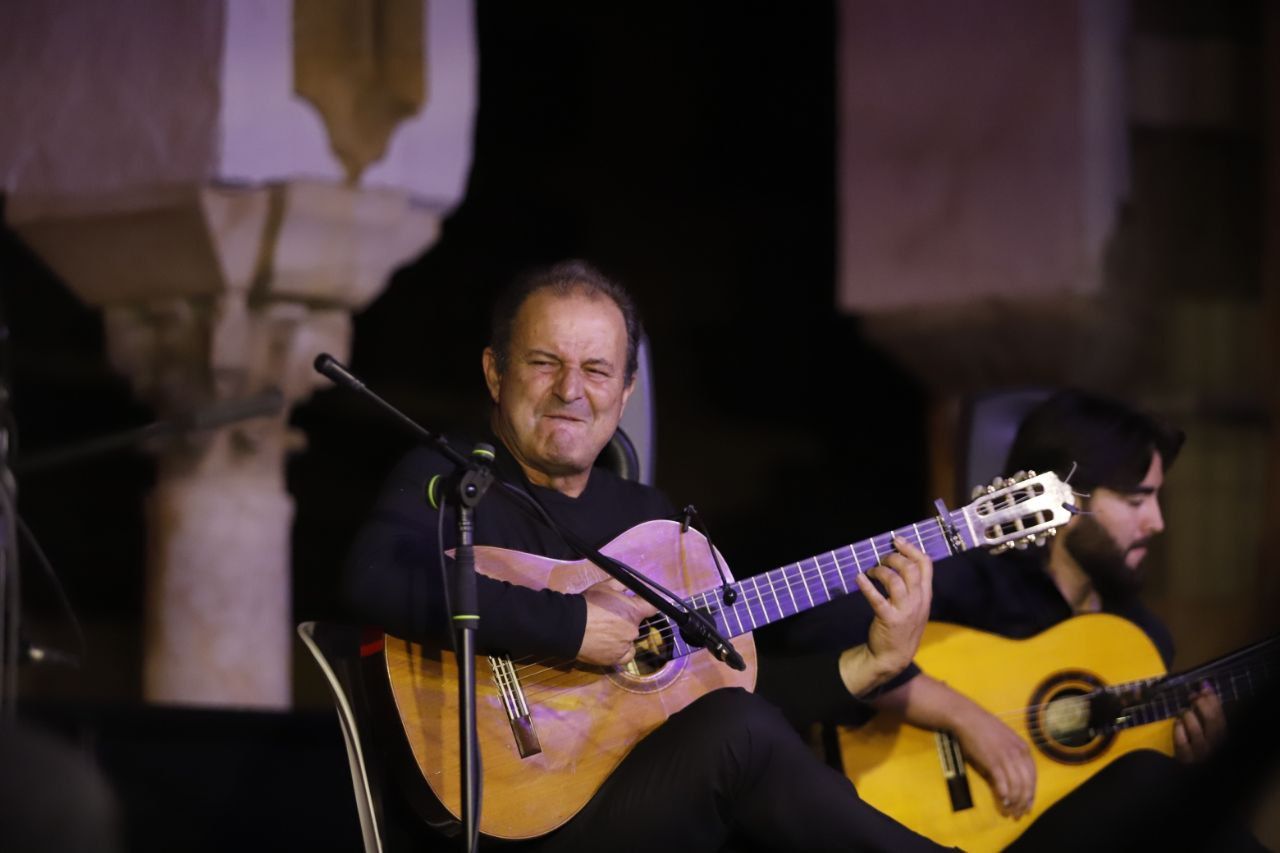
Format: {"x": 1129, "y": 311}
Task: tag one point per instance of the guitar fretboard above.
{"x": 1237, "y": 676}
{"x": 793, "y": 588}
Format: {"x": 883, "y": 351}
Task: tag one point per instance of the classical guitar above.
{"x": 1082, "y": 694}
{"x": 552, "y": 731}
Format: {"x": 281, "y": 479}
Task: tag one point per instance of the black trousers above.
{"x": 728, "y": 770}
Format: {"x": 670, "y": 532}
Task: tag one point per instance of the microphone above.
{"x": 337, "y": 373}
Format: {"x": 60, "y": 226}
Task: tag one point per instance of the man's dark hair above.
{"x": 1109, "y": 443}
{"x": 563, "y": 279}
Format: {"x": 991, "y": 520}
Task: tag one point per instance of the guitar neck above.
{"x": 785, "y": 591}
{"x": 1234, "y": 677}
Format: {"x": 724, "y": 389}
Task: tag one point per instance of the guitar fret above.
{"x": 734, "y": 610}
{"x": 805, "y": 581}
{"x": 705, "y": 602}
{"x": 722, "y": 616}
{"x": 766, "y": 617}
{"x": 826, "y": 590}
{"x": 874, "y": 552}
{"x": 777, "y": 602}
{"x": 844, "y": 584}
{"x": 919, "y": 539}
{"x": 795, "y": 607}
{"x": 751, "y": 615}
{"x": 762, "y": 600}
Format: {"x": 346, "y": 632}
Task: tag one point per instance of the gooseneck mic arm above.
{"x": 338, "y": 374}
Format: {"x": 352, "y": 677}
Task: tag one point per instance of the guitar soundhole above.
{"x": 653, "y": 647}
{"x": 655, "y": 666}
{"x": 1060, "y": 718}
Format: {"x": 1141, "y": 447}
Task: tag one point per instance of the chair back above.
{"x": 336, "y": 649}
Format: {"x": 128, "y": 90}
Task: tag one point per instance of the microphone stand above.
{"x": 268, "y": 402}
{"x": 470, "y": 488}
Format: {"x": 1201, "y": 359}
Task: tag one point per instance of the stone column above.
{"x": 228, "y": 182}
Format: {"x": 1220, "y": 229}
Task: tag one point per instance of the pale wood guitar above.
{"x": 551, "y": 732}
{"x": 1082, "y": 694}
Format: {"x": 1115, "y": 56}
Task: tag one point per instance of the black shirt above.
{"x": 394, "y": 581}
{"x": 393, "y": 577}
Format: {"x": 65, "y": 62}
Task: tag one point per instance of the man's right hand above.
{"x": 1001, "y": 756}
{"x": 614, "y": 615}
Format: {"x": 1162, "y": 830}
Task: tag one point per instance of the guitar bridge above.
{"x": 953, "y": 770}
{"x": 514, "y": 703}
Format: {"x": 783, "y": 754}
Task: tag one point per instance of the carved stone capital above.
{"x": 215, "y": 293}
{"x": 362, "y": 66}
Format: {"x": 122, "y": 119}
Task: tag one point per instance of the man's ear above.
{"x": 492, "y": 377}
{"x": 626, "y": 393}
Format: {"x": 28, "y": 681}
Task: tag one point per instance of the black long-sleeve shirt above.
{"x": 393, "y": 578}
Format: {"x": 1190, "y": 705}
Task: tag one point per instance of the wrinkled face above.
{"x": 1111, "y": 543}
{"x": 561, "y": 397}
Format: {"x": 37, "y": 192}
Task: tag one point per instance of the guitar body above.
{"x": 897, "y": 768}
{"x": 583, "y": 720}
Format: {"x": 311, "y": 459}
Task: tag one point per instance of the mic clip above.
{"x": 468, "y": 482}
{"x": 695, "y": 632}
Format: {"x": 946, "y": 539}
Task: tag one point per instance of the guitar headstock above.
{"x": 1018, "y": 511}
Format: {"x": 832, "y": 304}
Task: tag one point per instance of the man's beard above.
{"x": 1102, "y": 560}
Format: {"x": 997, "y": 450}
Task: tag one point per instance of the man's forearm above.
{"x": 862, "y": 672}
{"x": 927, "y": 703}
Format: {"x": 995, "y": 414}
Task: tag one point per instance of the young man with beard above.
{"x": 1116, "y": 459}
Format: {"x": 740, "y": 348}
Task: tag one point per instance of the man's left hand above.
{"x": 1200, "y": 728}
{"x": 900, "y": 616}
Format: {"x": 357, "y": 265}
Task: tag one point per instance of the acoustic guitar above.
{"x": 552, "y": 731}
{"x": 1082, "y": 694}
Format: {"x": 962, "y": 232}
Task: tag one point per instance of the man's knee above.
{"x": 741, "y": 717}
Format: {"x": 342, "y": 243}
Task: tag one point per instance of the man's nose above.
{"x": 569, "y": 384}
{"x": 1155, "y": 519}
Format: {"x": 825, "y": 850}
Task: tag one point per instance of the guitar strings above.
{"x": 1161, "y": 692}
{"x": 1162, "y": 695}
{"x": 777, "y": 579}
{"x": 828, "y": 568}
